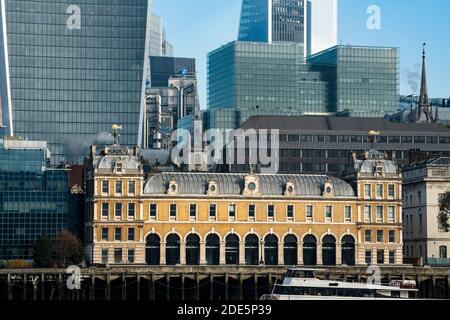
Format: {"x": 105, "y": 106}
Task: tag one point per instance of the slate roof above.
{"x": 233, "y": 184}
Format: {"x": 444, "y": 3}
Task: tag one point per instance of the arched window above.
{"x": 329, "y": 251}
{"x": 309, "y": 250}
{"x": 212, "y": 249}
{"x": 290, "y": 250}
{"x": 173, "y": 249}
{"x": 348, "y": 250}
{"x": 192, "y": 249}
{"x": 152, "y": 249}
{"x": 271, "y": 250}
{"x": 232, "y": 249}
{"x": 251, "y": 250}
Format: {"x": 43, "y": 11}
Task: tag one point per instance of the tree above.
{"x": 444, "y": 212}
{"x": 68, "y": 249}
{"x": 448, "y": 103}
{"x": 43, "y": 252}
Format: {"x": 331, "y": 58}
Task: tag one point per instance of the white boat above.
{"x": 302, "y": 284}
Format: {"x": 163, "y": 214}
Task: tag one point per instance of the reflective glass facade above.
{"x": 322, "y": 25}
{"x": 254, "y": 24}
{"x": 70, "y": 84}
{"x": 366, "y": 82}
{"x": 33, "y": 199}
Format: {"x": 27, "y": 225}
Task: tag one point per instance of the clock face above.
{"x": 212, "y": 188}
{"x": 251, "y": 186}
{"x": 328, "y": 189}
{"x": 290, "y": 189}
{"x": 173, "y": 188}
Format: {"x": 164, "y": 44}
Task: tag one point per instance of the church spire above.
{"x": 424, "y": 104}
{"x": 423, "y": 100}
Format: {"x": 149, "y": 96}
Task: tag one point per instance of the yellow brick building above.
{"x": 245, "y": 219}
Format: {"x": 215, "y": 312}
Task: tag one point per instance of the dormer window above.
{"x": 213, "y": 188}
{"x": 251, "y": 186}
{"x": 173, "y": 188}
{"x": 290, "y": 189}
{"x": 119, "y": 167}
{"x": 328, "y": 189}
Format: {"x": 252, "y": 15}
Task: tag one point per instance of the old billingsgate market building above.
{"x": 242, "y": 219}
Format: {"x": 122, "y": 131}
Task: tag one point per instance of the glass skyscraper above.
{"x": 34, "y": 199}
{"x": 322, "y": 25}
{"x": 272, "y": 21}
{"x": 253, "y": 78}
{"x": 74, "y": 68}
{"x": 366, "y": 82}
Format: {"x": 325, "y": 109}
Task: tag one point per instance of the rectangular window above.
{"x": 379, "y": 213}
{"x": 367, "y": 190}
{"x": 192, "y": 211}
{"x": 380, "y": 256}
{"x": 132, "y": 187}
{"x": 348, "y": 213}
{"x": 130, "y": 234}
{"x": 391, "y": 257}
{"x": 173, "y": 211}
{"x": 391, "y": 236}
{"x": 153, "y": 211}
{"x": 212, "y": 211}
{"x": 118, "y": 187}
{"x": 309, "y": 212}
{"x": 368, "y": 236}
{"x": 380, "y": 236}
{"x": 368, "y": 256}
{"x": 391, "y": 191}
{"x": 105, "y": 210}
{"x": 290, "y": 211}
{"x": 379, "y": 191}
{"x": 271, "y": 211}
{"x": 104, "y": 255}
{"x": 232, "y": 211}
{"x": 105, "y": 186}
{"x": 131, "y": 210}
{"x": 391, "y": 213}
{"x": 251, "y": 211}
{"x": 105, "y": 234}
{"x": 367, "y": 213}
{"x": 118, "y": 210}
{"x": 328, "y": 212}
{"x": 131, "y": 255}
{"x": 117, "y": 255}
{"x": 118, "y": 234}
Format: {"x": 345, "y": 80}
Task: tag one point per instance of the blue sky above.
{"x": 196, "y": 27}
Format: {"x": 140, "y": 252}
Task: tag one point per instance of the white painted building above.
{"x": 322, "y": 25}
{"x": 423, "y": 184}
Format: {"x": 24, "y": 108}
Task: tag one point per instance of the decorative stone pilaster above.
{"x": 202, "y": 252}
{"x": 183, "y": 253}
{"x": 222, "y": 252}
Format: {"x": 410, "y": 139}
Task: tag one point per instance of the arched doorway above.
{"x": 173, "y": 249}
{"x": 232, "y": 249}
{"x": 329, "y": 251}
{"x": 193, "y": 250}
{"x": 290, "y": 250}
{"x": 271, "y": 250}
{"x": 251, "y": 250}
{"x": 152, "y": 249}
{"x": 348, "y": 250}
{"x": 309, "y": 250}
{"x": 212, "y": 249}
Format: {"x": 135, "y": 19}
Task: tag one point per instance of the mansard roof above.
{"x": 196, "y": 184}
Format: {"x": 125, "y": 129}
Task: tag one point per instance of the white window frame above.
{"x": 172, "y": 218}
{"x": 328, "y": 219}
{"x": 230, "y": 218}
{"x": 194, "y": 218}
{"x": 210, "y": 217}
{"x": 293, "y": 212}
{"x": 312, "y": 213}
{"x": 128, "y": 187}
{"x": 273, "y": 218}
{"x": 150, "y": 217}
{"x": 345, "y": 213}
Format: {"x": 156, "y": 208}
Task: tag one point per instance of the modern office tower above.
{"x": 272, "y": 21}
{"x": 74, "y": 68}
{"x": 254, "y": 78}
{"x": 262, "y": 78}
{"x": 162, "y": 68}
{"x": 424, "y": 184}
{"x": 317, "y": 144}
{"x": 34, "y": 199}
{"x": 167, "y": 105}
{"x": 366, "y": 82}
{"x": 321, "y": 26}
{"x": 159, "y": 46}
